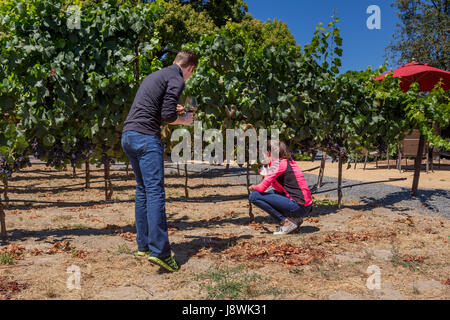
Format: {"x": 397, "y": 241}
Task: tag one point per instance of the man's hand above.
{"x": 185, "y": 119}
{"x": 251, "y": 189}
{"x": 180, "y": 109}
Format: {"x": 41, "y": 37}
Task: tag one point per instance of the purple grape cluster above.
{"x": 81, "y": 151}
{"x": 56, "y": 155}
{"x": 106, "y": 159}
{"x": 37, "y": 150}
{"x": 335, "y": 148}
{"x": 5, "y": 168}
{"x": 20, "y": 161}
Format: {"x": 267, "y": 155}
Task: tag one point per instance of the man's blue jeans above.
{"x": 278, "y": 205}
{"x": 146, "y": 156}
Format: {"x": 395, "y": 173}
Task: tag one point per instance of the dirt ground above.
{"x": 334, "y": 254}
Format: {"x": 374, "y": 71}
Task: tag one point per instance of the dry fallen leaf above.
{"x": 411, "y": 258}
{"x": 431, "y": 231}
{"x": 286, "y": 254}
{"x": 8, "y": 288}
{"x": 127, "y": 236}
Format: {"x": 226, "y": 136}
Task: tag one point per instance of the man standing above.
{"x": 156, "y": 102}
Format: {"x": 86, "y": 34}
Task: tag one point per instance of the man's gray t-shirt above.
{"x": 156, "y": 101}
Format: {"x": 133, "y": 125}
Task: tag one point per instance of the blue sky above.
{"x": 362, "y": 47}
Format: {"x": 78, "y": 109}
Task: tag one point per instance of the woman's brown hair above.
{"x": 283, "y": 150}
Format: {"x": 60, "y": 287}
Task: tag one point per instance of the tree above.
{"x": 180, "y": 24}
{"x": 220, "y": 11}
{"x": 268, "y": 33}
{"x": 423, "y": 34}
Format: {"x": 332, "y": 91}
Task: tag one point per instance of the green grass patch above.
{"x": 325, "y": 202}
{"x": 397, "y": 260}
{"x": 6, "y": 258}
{"x": 237, "y": 283}
{"x": 224, "y": 283}
{"x": 123, "y": 249}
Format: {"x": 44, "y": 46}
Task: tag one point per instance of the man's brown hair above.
{"x": 186, "y": 58}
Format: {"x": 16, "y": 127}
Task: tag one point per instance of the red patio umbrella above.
{"x": 426, "y": 75}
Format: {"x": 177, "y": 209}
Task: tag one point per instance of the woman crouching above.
{"x": 291, "y": 198}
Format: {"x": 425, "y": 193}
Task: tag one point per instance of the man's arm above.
{"x": 169, "y": 112}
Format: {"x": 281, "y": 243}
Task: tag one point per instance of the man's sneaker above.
{"x": 167, "y": 263}
{"x": 143, "y": 253}
{"x": 287, "y": 227}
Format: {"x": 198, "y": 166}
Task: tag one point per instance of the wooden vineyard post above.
{"x": 250, "y": 208}
{"x": 313, "y": 155}
{"x": 365, "y": 159}
{"x": 388, "y": 160}
{"x": 5, "y": 191}
{"x": 340, "y": 184}
{"x": 322, "y": 169}
{"x": 108, "y": 184}
{"x": 417, "y": 166}
{"x": 186, "y": 191}
{"x": 2, "y": 220}
{"x": 88, "y": 174}
{"x": 74, "y": 172}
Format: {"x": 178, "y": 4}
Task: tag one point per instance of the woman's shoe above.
{"x": 298, "y": 222}
{"x": 287, "y": 227}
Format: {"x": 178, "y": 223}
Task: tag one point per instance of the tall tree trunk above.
{"x": 2, "y": 220}
{"x": 108, "y": 184}
{"x": 186, "y": 191}
{"x": 74, "y": 172}
{"x": 322, "y": 169}
{"x": 340, "y": 183}
{"x": 5, "y": 191}
{"x": 88, "y": 174}
{"x": 417, "y": 166}
{"x": 250, "y": 208}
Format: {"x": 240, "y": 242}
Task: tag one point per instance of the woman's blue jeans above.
{"x": 146, "y": 156}
{"x": 278, "y": 205}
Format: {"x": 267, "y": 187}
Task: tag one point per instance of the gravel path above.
{"x": 429, "y": 201}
